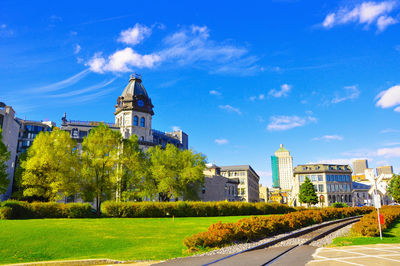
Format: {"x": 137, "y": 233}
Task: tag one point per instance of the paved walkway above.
{"x": 379, "y": 254}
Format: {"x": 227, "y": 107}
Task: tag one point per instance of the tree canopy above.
{"x": 394, "y": 188}
{"x": 307, "y": 193}
{"x": 4, "y": 157}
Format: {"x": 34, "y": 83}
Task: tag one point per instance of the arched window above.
{"x": 142, "y": 138}
{"x": 142, "y": 122}
{"x": 135, "y": 121}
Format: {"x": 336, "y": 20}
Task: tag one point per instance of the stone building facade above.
{"x": 217, "y": 187}
{"x": 248, "y": 188}
{"x": 332, "y": 182}
{"x": 10, "y": 128}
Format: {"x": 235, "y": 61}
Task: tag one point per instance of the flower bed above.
{"x": 368, "y": 225}
{"x": 254, "y": 228}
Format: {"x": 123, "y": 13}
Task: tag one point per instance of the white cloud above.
{"x": 283, "y": 92}
{"x": 77, "y": 49}
{"x": 230, "y": 108}
{"x": 221, "y": 141}
{"x": 365, "y": 13}
{"x": 350, "y": 93}
{"x": 82, "y": 91}
{"x": 389, "y": 98}
{"x": 390, "y": 130}
{"x": 389, "y": 152}
{"x": 122, "y": 61}
{"x": 214, "y": 92}
{"x": 279, "y": 123}
{"x": 188, "y": 46}
{"x": 134, "y": 35}
{"x": 329, "y": 138}
{"x": 384, "y": 21}
{"x": 176, "y": 128}
{"x": 259, "y": 97}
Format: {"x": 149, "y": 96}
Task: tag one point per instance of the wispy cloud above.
{"x": 366, "y": 13}
{"x": 283, "y": 92}
{"x": 282, "y": 122}
{"x": 82, "y": 91}
{"x": 389, "y": 98}
{"x": 221, "y": 141}
{"x": 259, "y": 97}
{"x": 134, "y": 35}
{"x": 349, "y": 93}
{"x": 329, "y": 138}
{"x": 230, "y": 108}
{"x": 61, "y": 84}
{"x": 176, "y": 128}
{"x": 89, "y": 97}
{"x": 390, "y": 130}
{"x": 215, "y": 92}
{"x": 77, "y": 49}
{"x": 187, "y": 46}
{"x": 389, "y": 152}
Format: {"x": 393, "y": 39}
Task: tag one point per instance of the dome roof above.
{"x": 134, "y": 87}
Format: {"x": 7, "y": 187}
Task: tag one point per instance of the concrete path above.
{"x": 379, "y": 254}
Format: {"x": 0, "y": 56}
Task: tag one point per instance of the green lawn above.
{"x": 112, "y": 238}
{"x": 391, "y": 235}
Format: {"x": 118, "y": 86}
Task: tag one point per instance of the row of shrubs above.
{"x": 368, "y": 225}
{"x": 23, "y": 210}
{"x": 257, "y": 227}
{"x": 190, "y": 209}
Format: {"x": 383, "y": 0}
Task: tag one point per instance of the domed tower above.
{"x": 134, "y": 110}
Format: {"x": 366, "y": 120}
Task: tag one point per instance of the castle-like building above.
{"x": 133, "y": 115}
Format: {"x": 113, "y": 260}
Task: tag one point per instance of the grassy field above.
{"x": 112, "y": 238}
{"x": 391, "y": 235}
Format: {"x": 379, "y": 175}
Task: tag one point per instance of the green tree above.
{"x": 4, "y": 157}
{"x": 174, "y": 173}
{"x": 51, "y": 169}
{"x": 394, "y": 187}
{"x": 132, "y": 168}
{"x": 99, "y": 164}
{"x": 307, "y": 193}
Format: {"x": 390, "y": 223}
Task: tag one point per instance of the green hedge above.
{"x": 23, "y": 210}
{"x": 190, "y": 209}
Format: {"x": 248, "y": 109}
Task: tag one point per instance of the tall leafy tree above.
{"x": 51, "y": 169}
{"x": 174, "y": 173}
{"x": 394, "y": 188}
{"x": 307, "y": 193}
{"x": 100, "y": 164}
{"x": 4, "y": 157}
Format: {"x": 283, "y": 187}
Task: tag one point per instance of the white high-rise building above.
{"x": 282, "y": 169}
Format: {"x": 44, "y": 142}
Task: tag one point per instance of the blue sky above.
{"x": 321, "y": 77}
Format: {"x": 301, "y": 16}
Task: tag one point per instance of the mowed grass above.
{"x": 390, "y": 236}
{"x": 112, "y": 238}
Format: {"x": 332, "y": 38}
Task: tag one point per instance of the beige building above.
{"x": 386, "y": 170}
{"x": 332, "y": 182}
{"x": 264, "y": 193}
{"x": 10, "y": 128}
{"x": 248, "y": 188}
{"x": 217, "y": 187}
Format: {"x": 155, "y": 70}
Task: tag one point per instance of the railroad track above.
{"x": 264, "y": 255}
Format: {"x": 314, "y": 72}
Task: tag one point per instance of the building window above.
{"x": 320, "y": 178}
{"x": 75, "y": 133}
{"x": 348, "y": 178}
{"x": 142, "y": 122}
{"x": 1, "y": 121}
{"x": 142, "y": 138}
{"x": 336, "y": 178}
{"x": 321, "y": 188}
{"x": 135, "y": 121}
{"x": 313, "y": 178}
{"x": 203, "y": 190}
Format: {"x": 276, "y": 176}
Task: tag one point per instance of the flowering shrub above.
{"x": 190, "y": 209}
{"x": 23, "y": 210}
{"x": 258, "y": 227}
{"x": 368, "y": 225}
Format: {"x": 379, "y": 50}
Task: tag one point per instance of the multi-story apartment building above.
{"x": 133, "y": 115}
{"x": 282, "y": 169}
{"x": 360, "y": 193}
{"x": 359, "y": 167}
{"x": 332, "y": 182}
{"x": 10, "y": 129}
{"x": 248, "y": 187}
{"x": 29, "y": 130}
{"x": 217, "y": 187}
{"x": 386, "y": 170}
{"x": 264, "y": 193}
